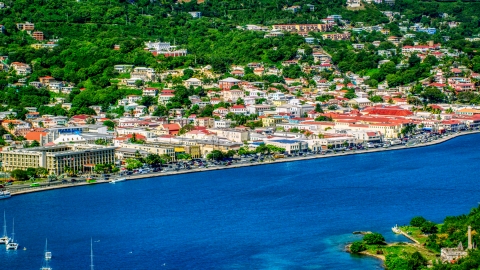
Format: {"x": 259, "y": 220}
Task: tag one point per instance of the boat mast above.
{"x": 44, "y": 255}
{"x": 91, "y": 254}
{"x": 13, "y": 231}
{"x": 4, "y": 224}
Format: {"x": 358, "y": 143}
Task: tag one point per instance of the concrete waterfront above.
{"x": 27, "y": 190}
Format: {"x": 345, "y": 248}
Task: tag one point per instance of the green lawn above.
{"x": 415, "y": 232}
{"x": 400, "y": 248}
{"x": 156, "y": 85}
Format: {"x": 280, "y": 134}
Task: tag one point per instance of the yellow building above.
{"x": 270, "y": 121}
{"x": 193, "y": 150}
{"x": 171, "y": 150}
{"x": 279, "y": 102}
{"x": 56, "y": 158}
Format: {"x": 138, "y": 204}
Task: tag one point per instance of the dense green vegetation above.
{"x": 87, "y": 31}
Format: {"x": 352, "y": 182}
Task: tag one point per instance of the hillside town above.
{"x": 310, "y": 103}
{"x": 250, "y": 123}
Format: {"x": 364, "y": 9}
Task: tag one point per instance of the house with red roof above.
{"x": 80, "y": 119}
{"x": 238, "y": 109}
{"x": 387, "y": 111}
{"x": 127, "y": 138}
{"x": 36, "y": 135}
{"x": 221, "y": 111}
{"x": 173, "y": 129}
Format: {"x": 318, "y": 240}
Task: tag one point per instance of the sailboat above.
{"x": 91, "y": 254}
{"x": 11, "y": 244}
{"x": 4, "y": 239}
{"x": 48, "y": 256}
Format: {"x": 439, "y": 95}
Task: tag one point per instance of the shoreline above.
{"x": 234, "y": 166}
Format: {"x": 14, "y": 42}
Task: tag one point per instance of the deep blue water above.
{"x": 295, "y": 215}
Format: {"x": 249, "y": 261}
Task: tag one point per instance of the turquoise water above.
{"x": 296, "y": 215}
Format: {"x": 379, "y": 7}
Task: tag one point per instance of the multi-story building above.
{"x": 232, "y": 134}
{"x": 38, "y": 35}
{"x": 207, "y": 122}
{"x": 303, "y": 27}
{"x": 21, "y": 68}
{"x": 225, "y": 123}
{"x": 227, "y": 83}
{"x": 26, "y": 26}
{"x": 337, "y": 36}
{"x": 271, "y": 121}
{"x": 165, "y": 48}
{"x": 56, "y": 159}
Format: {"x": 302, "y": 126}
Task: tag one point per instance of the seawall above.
{"x": 233, "y": 166}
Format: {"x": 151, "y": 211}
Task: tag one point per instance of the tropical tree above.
{"x": 99, "y": 168}
{"x": 34, "y": 144}
{"x": 215, "y": 155}
{"x": 133, "y": 164}
{"x": 41, "y": 171}
{"x": 408, "y": 129}
{"x": 184, "y": 156}
{"x": 69, "y": 171}
{"x": 19, "y": 174}
{"x": 166, "y": 157}
{"x": 153, "y": 160}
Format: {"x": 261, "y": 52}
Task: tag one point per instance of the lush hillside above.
{"x": 89, "y": 29}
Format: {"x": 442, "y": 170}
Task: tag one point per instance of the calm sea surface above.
{"x": 295, "y": 215}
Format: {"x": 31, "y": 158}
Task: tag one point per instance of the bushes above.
{"x": 424, "y": 225}
{"x": 417, "y": 221}
{"x": 429, "y": 227}
{"x": 21, "y": 175}
{"x": 374, "y": 239}
{"x": 368, "y": 239}
{"x": 405, "y": 260}
{"x": 357, "y": 247}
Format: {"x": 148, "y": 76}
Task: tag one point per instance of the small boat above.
{"x": 5, "y": 194}
{"x": 11, "y": 244}
{"x": 4, "y": 239}
{"x": 120, "y": 179}
{"x": 396, "y": 229}
{"x": 48, "y": 256}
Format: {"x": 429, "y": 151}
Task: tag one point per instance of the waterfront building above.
{"x": 290, "y": 146}
{"x": 153, "y": 148}
{"x": 56, "y": 158}
{"x": 232, "y": 134}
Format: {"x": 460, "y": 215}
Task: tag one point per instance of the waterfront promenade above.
{"x": 26, "y": 190}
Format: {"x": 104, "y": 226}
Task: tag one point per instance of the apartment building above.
{"x": 56, "y": 158}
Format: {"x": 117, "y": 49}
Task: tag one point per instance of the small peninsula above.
{"x": 451, "y": 245}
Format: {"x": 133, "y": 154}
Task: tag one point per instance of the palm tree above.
{"x": 11, "y": 126}
{"x": 68, "y": 170}
{"x": 166, "y": 157}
